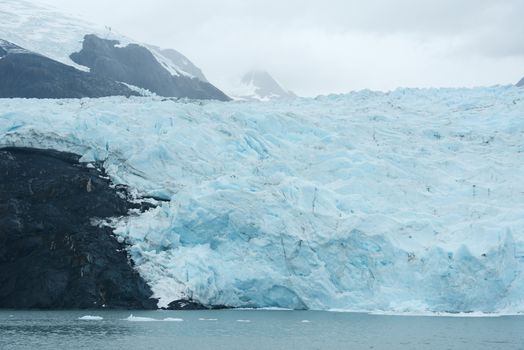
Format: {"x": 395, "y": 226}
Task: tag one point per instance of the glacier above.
{"x": 403, "y": 201}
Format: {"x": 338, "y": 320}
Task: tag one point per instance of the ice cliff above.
{"x": 411, "y": 200}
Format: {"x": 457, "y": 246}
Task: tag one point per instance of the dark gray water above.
{"x": 254, "y": 330}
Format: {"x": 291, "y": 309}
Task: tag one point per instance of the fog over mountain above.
{"x": 317, "y": 47}
{"x": 260, "y": 85}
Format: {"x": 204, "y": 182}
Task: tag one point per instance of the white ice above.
{"x": 132, "y": 318}
{"x": 91, "y": 318}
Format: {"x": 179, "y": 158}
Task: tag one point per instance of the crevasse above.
{"x": 411, "y": 200}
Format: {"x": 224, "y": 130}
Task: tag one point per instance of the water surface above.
{"x": 233, "y": 329}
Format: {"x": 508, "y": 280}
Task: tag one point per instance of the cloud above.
{"x": 326, "y": 46}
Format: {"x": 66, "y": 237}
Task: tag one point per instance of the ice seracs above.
{"x": 407, "y": 201}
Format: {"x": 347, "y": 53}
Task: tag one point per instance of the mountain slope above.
{"x": 136, "y": 65}
{"x": 48, "y": 32}
{"x": 521, "y": 82}
{"x": 409, "y": 200}
{"x": 26, "y": 74}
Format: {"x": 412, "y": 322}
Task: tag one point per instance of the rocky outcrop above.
{"x": 26, "y": 74}
{"x": 521, "y": 83}
{"x": 189, "y": 304}
{"x": 53, "y": 254}
{"x": 136, "y": 65}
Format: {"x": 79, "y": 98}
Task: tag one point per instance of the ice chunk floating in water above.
{"x": 91, "y": 318}
{"x": 132, "y": 318}
{"x": 411, "y": 200}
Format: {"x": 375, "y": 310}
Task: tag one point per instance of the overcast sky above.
{"x": 323, "y": 46}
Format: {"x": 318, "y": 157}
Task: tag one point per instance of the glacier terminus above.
{"x": 405, "y": 201}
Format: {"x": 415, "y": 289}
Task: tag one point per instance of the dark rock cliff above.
{"x": 51, "y": 254}
{"x": 136, "y": 65}
{"x": 26, "y": 74}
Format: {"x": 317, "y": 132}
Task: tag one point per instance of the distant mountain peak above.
{"x": 260, "y": 85}
{"x": 521, "y": 83}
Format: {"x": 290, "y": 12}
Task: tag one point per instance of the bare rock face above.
{"x": 52, "y": 255}
{"x": 521, "y": 83}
